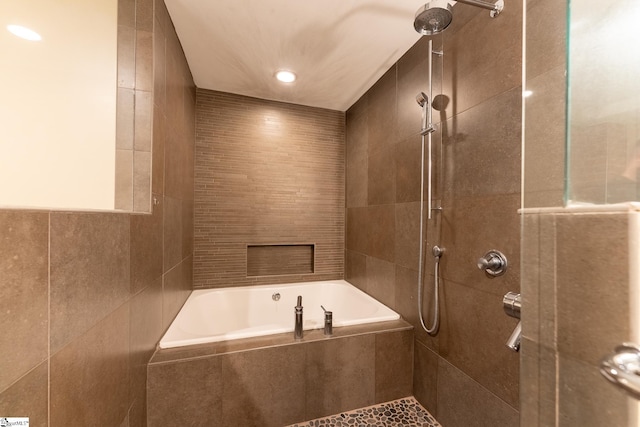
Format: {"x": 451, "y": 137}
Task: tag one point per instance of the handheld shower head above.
{"x": 434, "y": 17}
{"x": 422, "y": 98}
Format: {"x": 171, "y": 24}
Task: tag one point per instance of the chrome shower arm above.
{"x": 494, "y": 8}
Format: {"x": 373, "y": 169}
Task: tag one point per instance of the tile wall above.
{"x": 86, "y": 296}
{"x": 267, "y": 173}
{"x": 576, "y": 309}
{"x": 477, "y": 151}
{"x": 274, "y": 380}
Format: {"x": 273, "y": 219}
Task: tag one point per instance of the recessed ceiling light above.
{"x": 24, "y": 32}
{"x": 286, "y": 76}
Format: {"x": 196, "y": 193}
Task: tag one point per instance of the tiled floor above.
{"x": 402, "y": 412}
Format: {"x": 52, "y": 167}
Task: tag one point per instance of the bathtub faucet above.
{"x": 297, "y": 330}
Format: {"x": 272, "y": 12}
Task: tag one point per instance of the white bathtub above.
{"x": 221, "y": 314}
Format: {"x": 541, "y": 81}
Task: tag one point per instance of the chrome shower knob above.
{"x": 494, "y": 263}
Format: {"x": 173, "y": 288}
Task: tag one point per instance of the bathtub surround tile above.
{"x": 287, "y": 189}
{"x": 187, "y": 391}
{"x": 357, "y": 364}
{"x": 338, "y": 376}
{"x": 406, "y": 412}
{"x": 103, "y": 381}
{"x": 268, "y": 392}
{"x": 357, "y": 230}
{"x": 23, "y": 293}
{"x": 356, "y": 270}
{"x": 89, "y": 271}
{"x": 393, "y": 368}
{"x": 381, "y": 279}
{"x": 481, "y": 408}
{"x": 255, "y": 343}
{"x": 28, "y": 397}
{"x": 381, "y": 232}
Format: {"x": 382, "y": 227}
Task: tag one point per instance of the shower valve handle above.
{"x": 494, "y": 263}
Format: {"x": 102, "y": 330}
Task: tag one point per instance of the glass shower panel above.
{"x": 603, "y": 102}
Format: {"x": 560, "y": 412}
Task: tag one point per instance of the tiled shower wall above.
{"x": 576, "y": 309}
{"x": 464, "y": 376}
{"x": 86, "y": 296}
{"x": 267, "y": 173}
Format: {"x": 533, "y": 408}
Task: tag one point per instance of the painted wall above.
{"x": 86, "y": 296}
{"x": 465, "y": 375}
{"x": 267, "y": 173}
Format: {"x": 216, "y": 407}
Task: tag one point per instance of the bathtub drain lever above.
{"x": 297, "y": 330}
{"x": 328, "y": 321}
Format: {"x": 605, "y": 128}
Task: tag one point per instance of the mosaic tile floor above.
{"x": 405, "y": 412}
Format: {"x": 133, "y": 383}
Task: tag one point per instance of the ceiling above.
{"x": 337, "y": 48}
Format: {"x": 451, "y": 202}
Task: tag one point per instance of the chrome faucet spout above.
{"x": 513, "y": 342}
{"x": 297, "y": 330}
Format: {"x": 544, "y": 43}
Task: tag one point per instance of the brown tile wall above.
{"x": 86, "y": 296}
{"x": 575, "y": 309}
{"x": 266, "y": 173}
{"x": 477, "y": 152}
{"x": 134, "y": 111}
{"x": 284, "y": 383}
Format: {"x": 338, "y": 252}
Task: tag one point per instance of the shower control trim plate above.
{"x": 494, "y": 263}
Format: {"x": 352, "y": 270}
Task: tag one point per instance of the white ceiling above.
{"x": 338, "y": 48}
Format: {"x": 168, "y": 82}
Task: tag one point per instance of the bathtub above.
{"x": 221, "y": 314}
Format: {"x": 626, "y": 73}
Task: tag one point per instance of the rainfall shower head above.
{"x": 433, "y": 17}
{"x": 422, "y": 98}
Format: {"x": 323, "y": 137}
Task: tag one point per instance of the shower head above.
{"x": 433, "y": 17}
{"x": 422, "y": 99}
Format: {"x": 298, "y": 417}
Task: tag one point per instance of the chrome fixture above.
{"x": 276, "y": 296}
{"x": 622, "y": 368}
{"x": 435, "y": 16}
{"x": 437, "y": 252}
{"x": 494, "y": 263}
{"x": 427, "y": 129}
{"x": 328, "y": 321}
{"x": 511, "y": 303}
{"x": 297, "y": 330}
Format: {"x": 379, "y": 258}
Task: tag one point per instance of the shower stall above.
{"x": 474, "y": 124}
